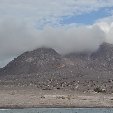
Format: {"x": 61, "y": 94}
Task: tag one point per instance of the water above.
{"x": 59, "y": 110}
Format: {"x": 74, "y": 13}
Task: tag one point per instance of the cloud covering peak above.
{"x": 30, "y": 24}
{"x": 16, "y": 38}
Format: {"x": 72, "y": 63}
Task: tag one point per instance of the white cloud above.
{"x": 104, "y": 26}
{"x": 16, "y": 38}
{"x": 48, "y": 10}
{"x": 108, "y": 29}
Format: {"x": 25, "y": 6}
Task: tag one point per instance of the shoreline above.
{"x": 67, "y": 107}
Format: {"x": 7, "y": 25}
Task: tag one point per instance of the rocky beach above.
{"x": 20, "y": 98}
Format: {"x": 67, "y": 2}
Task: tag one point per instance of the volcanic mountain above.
{"x": 39, "y": 60}
{"x": 46, "y": 69}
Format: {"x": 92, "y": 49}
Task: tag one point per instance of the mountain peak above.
{"x": 104, "y": 52}
{"x": 106, "y": 46}
{"x": 45, "y": 50}
{"x": 38, "y": 60}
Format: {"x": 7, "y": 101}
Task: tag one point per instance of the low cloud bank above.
{"x": 16, "y": 38}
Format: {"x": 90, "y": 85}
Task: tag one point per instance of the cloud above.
{"x": 108, "y": 29}
{"x": 74, "y": 39}
{"x": 48, "y": 11}
{"x": 18, "y": 37}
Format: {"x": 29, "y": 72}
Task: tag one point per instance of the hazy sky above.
{"x": 65, "y": 25}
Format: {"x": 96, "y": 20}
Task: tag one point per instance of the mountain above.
{"x": 39, "y": 60}
{"x": 46, "y": 69}
{"x": 105, "y": 52}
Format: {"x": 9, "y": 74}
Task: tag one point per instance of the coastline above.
{"x": 21, "y": 98}
{"x": 29, "y": 107}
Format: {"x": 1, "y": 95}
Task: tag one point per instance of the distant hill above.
{"x": 46, "y": 69}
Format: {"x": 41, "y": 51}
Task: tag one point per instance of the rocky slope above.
{"x": 39, "y": 60}
{"x": 46, "y": 69}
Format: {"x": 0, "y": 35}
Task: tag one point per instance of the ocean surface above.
{"x": 59, "y": 110}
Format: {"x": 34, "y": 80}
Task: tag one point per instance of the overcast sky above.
{"x": 65, "y": 25}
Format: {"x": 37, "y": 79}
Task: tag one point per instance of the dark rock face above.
{"x": 105, "y": 52}
{"x": 39, "y": 60}
{"x": 46, "y": 69}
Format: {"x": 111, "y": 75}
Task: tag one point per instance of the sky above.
{"x": 64, "y": 25}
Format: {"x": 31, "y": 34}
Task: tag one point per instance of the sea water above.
{"x": 59, "y": 110}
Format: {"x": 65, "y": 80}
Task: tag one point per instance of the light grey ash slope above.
{"x": 46, "y": 69}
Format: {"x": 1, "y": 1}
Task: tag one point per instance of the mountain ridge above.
{"x": 47, "y": 69}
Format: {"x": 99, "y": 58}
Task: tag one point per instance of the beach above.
{"x": 29, "y": 97}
